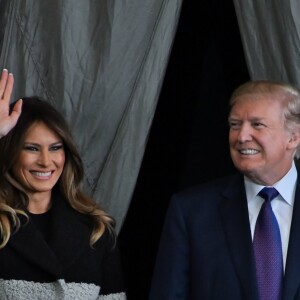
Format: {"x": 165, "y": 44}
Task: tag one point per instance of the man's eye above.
{"x": 258, "y": 125}
{"x": 234, "y": 125}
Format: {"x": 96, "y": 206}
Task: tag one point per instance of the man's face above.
{"x": 260, "y": 146}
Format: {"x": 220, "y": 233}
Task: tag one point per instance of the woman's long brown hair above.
{"x": 14, "y": 200}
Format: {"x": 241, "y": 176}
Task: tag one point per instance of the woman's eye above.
{"x": 31, "y": 148}
{"x": 56, "y": 147}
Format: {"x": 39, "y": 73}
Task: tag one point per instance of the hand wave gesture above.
{"x": 7, "y": 121}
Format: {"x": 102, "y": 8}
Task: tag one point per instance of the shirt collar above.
{"x": 283, "y": 186}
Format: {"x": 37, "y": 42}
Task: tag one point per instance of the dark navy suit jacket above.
{"x": 206, "y": 246}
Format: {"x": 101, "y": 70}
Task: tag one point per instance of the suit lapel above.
{"x": 292, "y": 274}
{"x": 235, "y": 217}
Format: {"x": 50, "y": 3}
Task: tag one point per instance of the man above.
{"x": 208, "y": 248}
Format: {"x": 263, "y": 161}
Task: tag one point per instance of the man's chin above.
{"x": 246, "y": 167}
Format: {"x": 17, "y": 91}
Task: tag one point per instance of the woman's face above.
{"x": 41, "y": 161}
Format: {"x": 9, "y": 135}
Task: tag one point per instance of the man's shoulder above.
{"x": 209, "y": 193}
{"x": 214, "y": 186}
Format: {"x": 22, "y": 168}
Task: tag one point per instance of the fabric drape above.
{"x": 270, "y": 32}
{"x": 102, "y": 64}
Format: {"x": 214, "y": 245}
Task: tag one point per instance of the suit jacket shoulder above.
{"x": 206, "y": 247}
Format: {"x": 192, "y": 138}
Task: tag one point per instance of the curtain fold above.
{"x": 101, "y": 63}
{"x": 270, "y": 32}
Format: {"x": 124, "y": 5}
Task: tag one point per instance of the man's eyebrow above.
{"x": 235, "y": 118}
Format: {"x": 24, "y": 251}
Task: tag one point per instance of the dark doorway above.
{"x": 188, "y": 140}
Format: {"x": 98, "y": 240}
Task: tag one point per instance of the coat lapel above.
{"x": 29, "y": 244}
{"x": 235, "y": 218}
{"x": 292, "y": 273}
{"x": 70, "y": 233}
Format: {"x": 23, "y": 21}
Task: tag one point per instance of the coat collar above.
{"x": 235, "y": 218}
{"x": 70, "y": 233}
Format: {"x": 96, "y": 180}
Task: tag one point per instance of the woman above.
{"x": 56, "y": 242}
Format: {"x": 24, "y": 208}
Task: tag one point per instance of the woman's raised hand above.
{"x": 7, "y": 121}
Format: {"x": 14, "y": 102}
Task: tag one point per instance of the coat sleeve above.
{"x": 170, "y": 278}
{"x": 112, "y": 281}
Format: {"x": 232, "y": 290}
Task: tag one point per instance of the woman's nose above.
{"x": 44, "y": 158}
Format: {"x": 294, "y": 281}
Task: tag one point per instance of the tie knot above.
{"x": 268, "y": 193}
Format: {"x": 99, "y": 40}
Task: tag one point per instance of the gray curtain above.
{"x": 101, "y": 63}
{"x": 270, "y": 32}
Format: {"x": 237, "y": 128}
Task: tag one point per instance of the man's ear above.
{"x": 294, "y": 140}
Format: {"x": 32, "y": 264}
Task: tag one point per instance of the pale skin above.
{"x": 260, "y": 145}
{"x": 7, "y": 121}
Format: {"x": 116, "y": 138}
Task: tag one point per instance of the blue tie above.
{"x": 268, "y": 250}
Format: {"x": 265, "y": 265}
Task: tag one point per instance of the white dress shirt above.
{"x": 282, "y": 205}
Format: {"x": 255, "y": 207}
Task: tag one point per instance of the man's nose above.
{"x": 245, "y": 133}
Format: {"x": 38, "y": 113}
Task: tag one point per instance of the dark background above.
{"x": 188, "y": 140}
